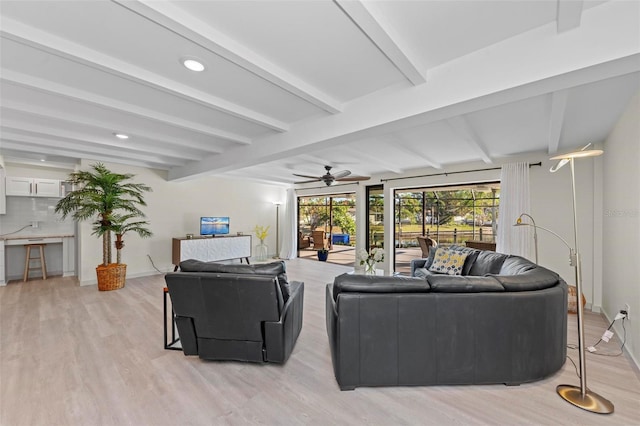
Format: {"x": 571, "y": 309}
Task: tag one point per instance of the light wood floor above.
{"x": 72, "y": 355}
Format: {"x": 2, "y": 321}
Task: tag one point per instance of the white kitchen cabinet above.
{"x": 32, "y": 187}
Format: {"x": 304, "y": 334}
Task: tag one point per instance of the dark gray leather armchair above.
{"x": 236, "y": 316}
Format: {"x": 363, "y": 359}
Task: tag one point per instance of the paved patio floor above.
{"x": 345, "y": 255}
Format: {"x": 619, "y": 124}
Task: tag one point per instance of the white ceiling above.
{"x": 378, "y": 87}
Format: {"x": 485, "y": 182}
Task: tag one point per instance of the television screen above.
{"x": 210, "y": 225}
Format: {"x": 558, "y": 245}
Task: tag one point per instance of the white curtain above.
{"x": 514, "y": 200}
{"x": 289, "y": 224}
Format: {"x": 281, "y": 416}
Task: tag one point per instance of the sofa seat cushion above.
{"x": 463, "y": 284}
{"x": 357, "y": 283}
{"x": 447, "y": 261}
{"x": 422, "y": 272}
{"x": 275, "y": 269}
{"x": 488, "y": 262}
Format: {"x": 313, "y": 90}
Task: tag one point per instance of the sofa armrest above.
{"x": 417, "y": 263}
{"x": 280, "y": 337}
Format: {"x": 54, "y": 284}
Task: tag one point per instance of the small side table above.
{"x": 174, "y": 339}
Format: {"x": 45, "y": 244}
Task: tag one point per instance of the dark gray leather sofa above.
{"x": 507, "y": 325}
{"x": 236, "y": 312}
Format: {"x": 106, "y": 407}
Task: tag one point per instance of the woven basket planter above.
{"x": 571, "y": 300}
{"x": 112, "y": 276}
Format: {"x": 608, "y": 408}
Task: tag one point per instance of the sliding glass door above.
{"x": 327, "y": 222}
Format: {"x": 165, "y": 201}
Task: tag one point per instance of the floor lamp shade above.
{"x": 580, "y": 396}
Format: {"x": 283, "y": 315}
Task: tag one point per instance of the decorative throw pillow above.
{"x": 448, "y": 262}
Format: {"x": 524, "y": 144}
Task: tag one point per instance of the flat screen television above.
{"x": 214, "y": 225}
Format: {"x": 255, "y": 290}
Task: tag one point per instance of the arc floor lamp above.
{"x": 580, "y": 396}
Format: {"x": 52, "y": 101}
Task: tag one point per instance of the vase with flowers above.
{"x": 370, "y": 258}
{"x": 261, "y": 249}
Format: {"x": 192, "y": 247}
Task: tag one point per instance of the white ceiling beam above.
{"x": 69, "y": 50}
{"x": 372, "y": 158}
{"x": 36, "y": 111}
{"x": 593, "y": 53}
{"x": 384, "y": 37}
{"x": 19, "y": 158}
{"x": 460, "y": 126}
{"x": 9, "y": 134}
{"x": 175, "y": 19}
{"x": 113, "y": 104}
{"x": 569, "y": 14}
{"x": 429, "y": 162}
{"x": 47, "y": 149}
{"x": 127, "y": 147}
{"x": 556, "y": 119}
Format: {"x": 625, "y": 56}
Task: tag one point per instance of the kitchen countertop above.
{"x": 34, "y": 236}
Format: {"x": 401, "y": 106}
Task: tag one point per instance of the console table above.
{"x": 210, "y": 249}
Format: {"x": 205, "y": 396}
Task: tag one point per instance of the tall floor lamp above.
{"x": 580, "y": 396}
{"x": 535, "y": 231}
{"x": 277, "y": 204}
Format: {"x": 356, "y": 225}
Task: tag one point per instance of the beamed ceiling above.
{"x": 376, "y": 87}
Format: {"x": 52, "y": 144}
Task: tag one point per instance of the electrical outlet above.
{"x": 627, "y": 308}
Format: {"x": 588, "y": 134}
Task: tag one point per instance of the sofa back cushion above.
{"x": 358, "y": 283}
{"x": 463, "y": 284}
{"x": 488, "y": 262}
{"x": 520, "y": 274}
{"x": 277, "y": 269}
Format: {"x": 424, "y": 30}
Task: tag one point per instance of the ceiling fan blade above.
{"x": 341, "y": 174}
{"x": 307, "y": 181}
{"x": 353, "y": 178}
{"x": 307, "y": 176}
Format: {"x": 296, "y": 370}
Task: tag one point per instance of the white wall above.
{"x": 621, "y": 236}
{"x": 174, "y": 209}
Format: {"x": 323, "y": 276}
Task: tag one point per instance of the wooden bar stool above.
{"x": 29, "y": 259}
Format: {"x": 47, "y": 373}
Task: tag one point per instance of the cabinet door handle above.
{"x": 36, "y": 188}
{"x": 30, "y": 188}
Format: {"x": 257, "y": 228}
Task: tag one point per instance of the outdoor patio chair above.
{"x": 425, "y": 244}
{"x": 319, "y": 240}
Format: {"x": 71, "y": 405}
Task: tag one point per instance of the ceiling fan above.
{"x": 329, "y": 179}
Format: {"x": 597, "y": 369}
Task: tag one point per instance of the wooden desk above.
{"x": 210, "y": 249}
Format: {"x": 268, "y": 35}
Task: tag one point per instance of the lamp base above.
{"x": 591, "y": 401}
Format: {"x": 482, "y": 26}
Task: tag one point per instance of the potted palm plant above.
{"x": 120, "y": 225}
{"x": 106, "y": 197}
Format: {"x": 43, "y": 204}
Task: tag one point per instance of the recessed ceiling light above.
{"x": 121, "y": 136}
{"x": 42, "y": 159}
{"x": 192, "y": 64}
